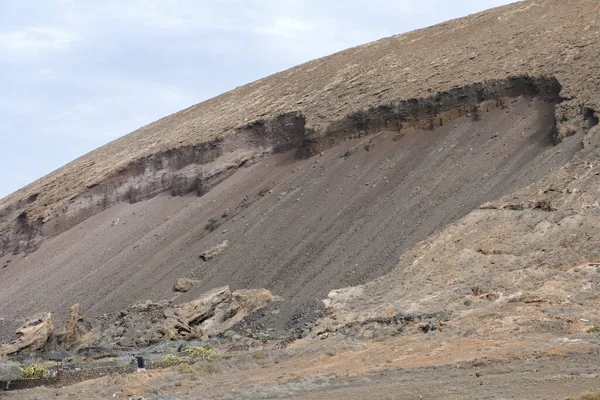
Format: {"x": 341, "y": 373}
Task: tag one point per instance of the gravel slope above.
{"x": 297, "y": 227}
{"x": 537, "y": 37}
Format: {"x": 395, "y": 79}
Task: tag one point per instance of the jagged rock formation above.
{"x": 74, "y": 331}
{"x": 31, "y": 337}
{"x": 145, "y": 323}
{"x": 210, "y": 314}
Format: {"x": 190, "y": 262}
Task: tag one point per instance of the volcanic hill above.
{"x": 442, "y": 182}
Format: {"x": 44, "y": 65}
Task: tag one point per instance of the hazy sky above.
{"x": 76, "y": 74}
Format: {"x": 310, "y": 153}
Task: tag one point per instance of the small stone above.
{"x": 126, "y": 343}
{"x": 183, "y": 285}
{"x": 214, "y": 251}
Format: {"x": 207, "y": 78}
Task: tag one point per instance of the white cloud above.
{"x": 283, "y": 27}
{"x": 36, "y": 40}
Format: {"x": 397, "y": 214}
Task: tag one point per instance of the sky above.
{"x": 76, "y": 74}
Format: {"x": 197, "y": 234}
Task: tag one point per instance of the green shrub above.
{"x": 169, "y": 358}
{"x": 34, "y": 371}
{"x": 198, "y": 352}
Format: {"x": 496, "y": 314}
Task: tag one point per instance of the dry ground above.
{"x": 485, "y": 230}
{"x": 537, "y": 37}
{"x": 435, "y": 367}
{"x": 297, "y": 227}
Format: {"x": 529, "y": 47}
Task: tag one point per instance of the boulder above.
{"x": 32, "y": 336}
{"x": 198, "y": 311}
{"x": 226, "y": 309}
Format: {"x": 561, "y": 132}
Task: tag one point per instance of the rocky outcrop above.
{"x": 32, "y": 336}
{"x": 145, "y": 323}
{"x": 208, "y": 315}
{"x": 431, "y": 112}
{"x": 72, "y": 334}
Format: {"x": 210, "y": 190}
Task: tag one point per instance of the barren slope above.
{"x": 444, "y": 182}
{"x": 545, "y": 37}
{"x": 297, "y": 227}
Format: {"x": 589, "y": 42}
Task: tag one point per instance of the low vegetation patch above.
{"x": 202, "y": 353}
{"x": 169, "y": 359}
{"x": 34, "y": 371}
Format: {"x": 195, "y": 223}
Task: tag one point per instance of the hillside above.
{"x": 544, "y": 38}
{"x": 419, "y": 203}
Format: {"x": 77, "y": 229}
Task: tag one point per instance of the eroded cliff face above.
{"x": 526, "y": 265}
{"x": 302, "y": 212}
{"x": 200, "y": 167}
{"x": 454, "y": 221}
{"x": 180, "y": 171}
{"x": 538, "y": 38}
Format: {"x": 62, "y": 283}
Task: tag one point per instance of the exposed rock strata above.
{"x": 298, "y": 227}
{"x": 34, "y": 335}
{"x": 413, "y": 65}
{"x": 198, "y": 168}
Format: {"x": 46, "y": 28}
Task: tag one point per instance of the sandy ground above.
{"x": 399, "y": 368}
